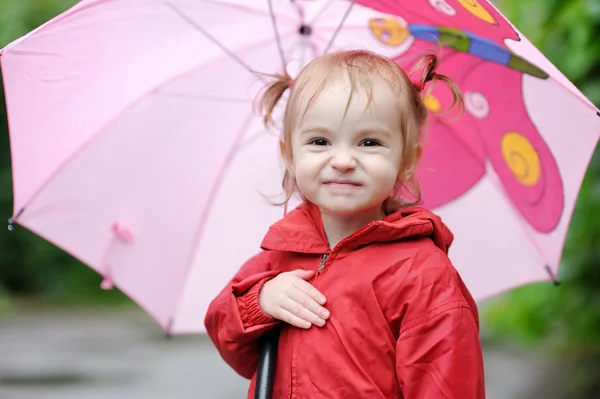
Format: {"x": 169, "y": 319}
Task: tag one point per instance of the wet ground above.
{"x": 123, "y": 354}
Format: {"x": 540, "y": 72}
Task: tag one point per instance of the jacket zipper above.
{"x": 322, "y": 263}
{"x": 354, "y": 236}
{"x": 320, "y": 270}
{"x": 293, "y": 384}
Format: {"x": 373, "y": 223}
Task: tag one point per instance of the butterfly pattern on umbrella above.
{"x": 496, "y": 127}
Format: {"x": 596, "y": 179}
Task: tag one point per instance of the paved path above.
{"x": 114, "y": 355}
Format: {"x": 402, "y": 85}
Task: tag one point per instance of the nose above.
{"x": 343, "y": 161}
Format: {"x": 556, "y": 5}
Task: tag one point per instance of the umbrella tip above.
{"x": 168, "y": 333}
{"x": 553, "y": 277}
{"x": 11, "y": 221}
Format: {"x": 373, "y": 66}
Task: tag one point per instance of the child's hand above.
{"x": 288, "y": 297}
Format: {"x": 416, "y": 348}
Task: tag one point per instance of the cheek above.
{"x": 388, "y": 167}
{"x": 390, "y": 180}
{"x": 306, "y": 182}
{"x": 305, "y": 174}
{"x": 307, "y": 161}
{"x": 302, "y": 169}
{"x": 396, "y": 165}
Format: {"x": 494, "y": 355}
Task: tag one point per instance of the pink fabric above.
{"x": 136, "y": 149}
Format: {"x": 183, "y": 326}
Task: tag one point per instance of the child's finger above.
{"x": 290, "y": 318}
{"x": 302, "y": 312}
{"x": 302, "y": 273}
{"x": 309, "y": 303}
{"x": 311, "y": 291}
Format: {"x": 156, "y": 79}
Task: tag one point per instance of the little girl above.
{"x": 359, "y": 280}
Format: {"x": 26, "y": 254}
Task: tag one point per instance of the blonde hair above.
{"x": 362, "y": 68}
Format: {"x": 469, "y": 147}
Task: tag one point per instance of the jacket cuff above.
{"x": 250, "y": 311}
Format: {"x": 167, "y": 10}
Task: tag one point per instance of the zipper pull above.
{"x": 322, "y": 264}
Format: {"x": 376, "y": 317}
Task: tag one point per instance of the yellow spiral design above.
{"x": 522, "y": 158}
{"x": 478, "y": 10}
{"x": 389, "y": 31}
{"x": 432, "y": 103}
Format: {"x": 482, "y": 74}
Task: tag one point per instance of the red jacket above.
{"x": 402, "y": 325}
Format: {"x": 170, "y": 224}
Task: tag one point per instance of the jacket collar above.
{"x": 302, "y": 230}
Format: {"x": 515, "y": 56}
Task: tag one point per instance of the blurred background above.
{"x": 61, "y": 336}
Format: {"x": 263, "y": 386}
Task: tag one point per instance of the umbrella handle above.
{"x": 267, "y": 360}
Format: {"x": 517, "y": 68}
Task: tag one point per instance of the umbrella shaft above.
{"x": 265, "y": 375}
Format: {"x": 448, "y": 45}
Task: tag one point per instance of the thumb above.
{"x": 303, "y": 274}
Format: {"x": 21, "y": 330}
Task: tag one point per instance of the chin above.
{"x": 347, "y": 209}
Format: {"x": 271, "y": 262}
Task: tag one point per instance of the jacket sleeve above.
{"x": 234, "y": 320}
{"x": 438, "y": 351}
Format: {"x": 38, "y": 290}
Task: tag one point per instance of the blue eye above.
{"x": 370, "y": 143}
{"x": 320, "y": 142}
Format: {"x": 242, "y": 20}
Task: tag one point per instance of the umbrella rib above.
{"x": 277, "y": 37}
{"x": 339, "y": 28}
{"x": 208, "y": 97}
{"x": 299, "y": 10}
{"x": 230, "y": 53}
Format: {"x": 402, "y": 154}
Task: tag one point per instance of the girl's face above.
{"x": 347, "y": 157}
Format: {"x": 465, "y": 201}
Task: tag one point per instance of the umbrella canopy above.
{"x": 136, "y": 148}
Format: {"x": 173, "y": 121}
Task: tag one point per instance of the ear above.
{"x": 407, "y": 174}
{"x": 282, "y": 149}
{"x": 419, "y": 153}
{"x": 284, "y": 155}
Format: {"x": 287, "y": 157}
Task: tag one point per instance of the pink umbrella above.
{"x": 136, "y": 149}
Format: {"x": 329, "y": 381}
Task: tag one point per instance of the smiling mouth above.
{"x": 342, "y": 184}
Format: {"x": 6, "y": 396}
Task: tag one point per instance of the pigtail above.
{"x": 408, "y": 191}
{"x": 427, "y": 66}
{"x": 272, "y": 94}
{"x": 265, "y": 105}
